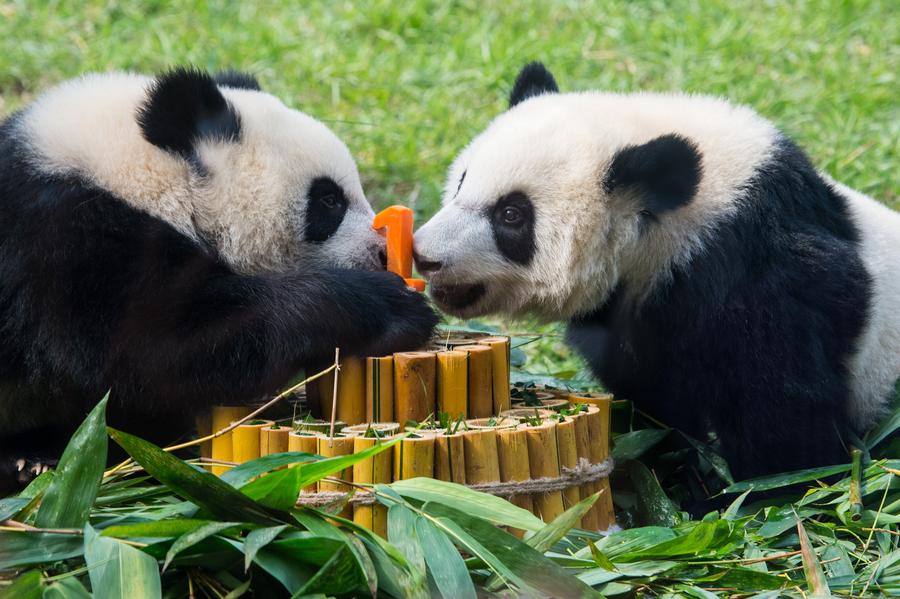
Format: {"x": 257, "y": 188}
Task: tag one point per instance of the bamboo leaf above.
{"x": 241, "y": 474}
{"x": 195, "y": 536}
{"x": 118, "y": 570}
{"x": 160, "y": 528}
{"x": 481, "y": 505}
{"x": 278, "y": 490}
{"x": 653, "y": 507}
{"x": 550, "y": 534}
{"x": 790, "y": 478}
{"x": 74, "y": 487}
{"x": 527, "y": 569}
{"x": 339, "y": 576}
{"x": 26, "y": 586}
{"x": 66, "y": 588}
{"x": 198, "y": 486}
{"x": 314, "y": 471}
{"x": 26, "y": 548}
{"x": 10, "y": 506}
{"x": 633, "y": 445}
{"x": 448, "y": 569}
{"x": 257, "y": 539}
{"x": 401, "y": 528}
{"x": 812, "y": 569}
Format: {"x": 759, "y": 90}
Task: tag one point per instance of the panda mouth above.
{"x": 457, "y": 297}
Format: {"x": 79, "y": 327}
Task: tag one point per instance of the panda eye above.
{"x": 511, "y": 216}
{"x": 329, "y": 201}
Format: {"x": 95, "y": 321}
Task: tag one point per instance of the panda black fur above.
{"x": 706, "y": 269}
{"x": 180, "y": 241}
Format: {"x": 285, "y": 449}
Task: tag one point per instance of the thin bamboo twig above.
{"x": 337, "y": 373}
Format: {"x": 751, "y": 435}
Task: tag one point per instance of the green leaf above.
{"x": 118, "y": 570}
{"x": 653, "y": 507}
{"x": 812, "y": 569}
{"x": 73, "y": 489}
{"x": 26, "y": 586}
{"x": 444, "y": 562}
{"x": 732, "y": 512}
{"x": 195, "y": 536}
{"x": 886, "y": 428}
{"x": 339, "y": 576}
{"x": 481, "y": 505}
{"x": 633, "y": 445}
{"x": 313, "y": 471}
{"x": 10, "y": 506}
{"x": 632, "y": 540}
{"x": 703, "y": 538}
{"x": 66, "y": 588}
{"x": 34, "y": 492}
{"x": 550, "y": 534}
{"x": 401, "y": 528}
{"x": 510, "y": 558}
{"x": 198, "y": 486}
{"x": 717, "y": 462}
{"x": 25, "y": 548}
{"x": 244, "y": 473}
{"x": 278, "y": 490}
{"x": 257, "y": 539}
{"x": 782, "y": 480}
{"x": 158, "y": 528}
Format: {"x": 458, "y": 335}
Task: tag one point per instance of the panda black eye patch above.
{"x": 326, "y": 206}
{"x": 512, "y": 222}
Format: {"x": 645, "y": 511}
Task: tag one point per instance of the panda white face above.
{"x": 566, "y": 197}
{"x": 268, "y": 187}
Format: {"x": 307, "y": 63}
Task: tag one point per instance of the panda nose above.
{"x": 426, "y": 266}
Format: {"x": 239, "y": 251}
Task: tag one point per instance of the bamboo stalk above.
{"x": 500, "y": 348}
{"x": 482, "y": 460}
{"x": 453, "y": 383}
{"x": 855, "y": 498}
{"x": 414, "y": 386}
{"x": 329, "y": 447}
{"x": 512, "y": 451}
{"x": 222, "y": 417}
{"x": 567, "y": 452}
{"x": 582, "y": 447}
{"x": 449, "y": 458}
{"x": 351, "y": 392}
{"x": 245, "y": 441}
{"x": 414, "y": 456}
{"x": 380, "y": 389}
{"x": 273, "y": 439}
{"x": 598, "y": 432}
{"x": 374, "y": 470}
{"x": 481, "y": 394}
{"x": 307, "y": 443}
{"x": 543, "y": 463}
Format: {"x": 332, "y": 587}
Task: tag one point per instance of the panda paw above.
{"x": 401, "y": 318}
{"x": 16, "y": 471}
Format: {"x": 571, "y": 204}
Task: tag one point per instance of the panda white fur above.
{"x": 180, "y": 240}
{"x": 706, "y": 270}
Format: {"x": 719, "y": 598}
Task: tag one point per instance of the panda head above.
{"x": 560, "y": 200}
{"x": 266, "y": 187}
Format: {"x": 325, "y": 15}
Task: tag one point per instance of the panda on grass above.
{"x": 707, "y": 271}
{"x": 181, "y": 240}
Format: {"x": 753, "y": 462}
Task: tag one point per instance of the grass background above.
{"x": 406, "y": 84}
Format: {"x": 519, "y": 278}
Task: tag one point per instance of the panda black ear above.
{"x": 185, "y": 105}
{"x": 237, "y": 80}
{"x": 533, "y": 80}
{"x": 664, "y": 172}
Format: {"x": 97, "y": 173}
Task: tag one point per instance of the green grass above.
{"x": 406, "y": 84}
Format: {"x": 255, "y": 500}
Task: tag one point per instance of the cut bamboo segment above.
{"x": 500, "y": 348}
{"x": 203, "y": 424}
{"x": 380, "y": 389}
{"x": 414, "y": 386}
{"x": 351, "y": 392}
{"x": 382, "y": 429}
{"x": 593, "y": 399}
{"x": 453, "y": 383}
{"x": 512, "y": 449}
{"x": 374, "y": 470}
{"x": 543, "y": 463}
{"x": 567, "y": 451}
{"x": 414, "y": 456}
{"x": 307, "y": 443}
{"x": 222, "y": 417}
{"x": 583, "y": 448}
{"x": 329, "y": 447}
{"x": 273, "y": 439}
{"x": 481, "y": 395}
{"x": 245, "y": 440}
{"x": 598, "y": 432}
{"x": 557, "y": 405}
{"x": 318, "y": 426}
{"x": 482, "y": 461}
{"x": 449, "y": 458}
{"x": 527, "y": 413}
{"x": 492, "y": 423}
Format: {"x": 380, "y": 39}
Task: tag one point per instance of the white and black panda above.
{"x": 180, "y": 240}
{"x": 706, "y": 269}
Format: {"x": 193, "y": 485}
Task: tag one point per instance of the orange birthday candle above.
{"x": 397, "y": 224}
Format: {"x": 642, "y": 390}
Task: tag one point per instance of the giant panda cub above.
{"x": 706, "y": 269}
{"x": 178, "y": 240}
